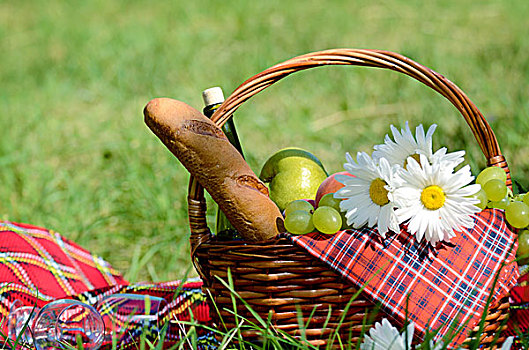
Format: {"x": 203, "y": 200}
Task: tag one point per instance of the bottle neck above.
{"x": 228, "y": 128}
{"x": 209, "y": 110}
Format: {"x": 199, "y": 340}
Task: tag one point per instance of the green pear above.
{"x": 292, "y": 173}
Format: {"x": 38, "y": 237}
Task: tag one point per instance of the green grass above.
{"x": 270, "y": 336}
{"x": 76, "y": 157}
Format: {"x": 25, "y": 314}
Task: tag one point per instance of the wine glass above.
{"x": 127, "y": 317}
{"x": 19, "y": 322}
{"x": 61, "y": 324}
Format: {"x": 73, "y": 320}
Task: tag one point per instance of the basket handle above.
{"x": 356, "y": 57}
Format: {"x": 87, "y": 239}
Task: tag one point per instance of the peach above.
{"x": 329, "y": 185}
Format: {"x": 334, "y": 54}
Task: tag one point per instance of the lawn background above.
{"x": 76, "y": 157}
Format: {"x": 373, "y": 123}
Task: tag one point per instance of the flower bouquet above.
{"x": 405, "y": 182}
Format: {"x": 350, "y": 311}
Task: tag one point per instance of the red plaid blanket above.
{"x": 39, "y": 265}
{"x": 185, "y": 301}
{"x": 441, "y": 289}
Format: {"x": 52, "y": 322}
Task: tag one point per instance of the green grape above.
{"x": 482, "y": 197}
{"x": 501, "y": 204}
{"x": 299, "y": 222}
{"x": 523, "y": 247}
{"x": 495, "y": 189}
{"x": 517, "y": 214}
{"x": 492, "y": 172}
{"x": 298, "y": 204}
{"x": 525, "y": 198}
{"x": 327, "y": 220}
{"x": 329, "y": 201}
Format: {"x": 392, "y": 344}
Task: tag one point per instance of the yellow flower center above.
{"x": 377, "y": 192}
{"x": 433, "y": 197}
{"x": 415, "y": 156}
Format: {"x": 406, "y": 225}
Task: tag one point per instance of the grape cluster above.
{"x": 301, "y": 217}
{"x": 495, "y": 194}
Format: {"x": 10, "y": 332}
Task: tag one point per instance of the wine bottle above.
{"x": 213, "y": 98}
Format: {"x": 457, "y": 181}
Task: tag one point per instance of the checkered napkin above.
{"x": 438, "y": 289}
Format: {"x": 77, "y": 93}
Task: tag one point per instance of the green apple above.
{"x": 292, "y": 173}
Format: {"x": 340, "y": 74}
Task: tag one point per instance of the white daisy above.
{"x": 448, "y": 161}
{"x": 436, "y": 202}
{"x": 365, "y": 196}
{"x": 383, "y": 336}
{"x": 406, "y": 145}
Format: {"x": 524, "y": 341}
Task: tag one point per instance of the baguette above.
{"x": 207, "y": 154}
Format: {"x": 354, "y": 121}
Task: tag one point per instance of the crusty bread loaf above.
{"x": 207, "y": 154}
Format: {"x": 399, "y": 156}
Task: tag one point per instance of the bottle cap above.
{"x": 213, "y": 96}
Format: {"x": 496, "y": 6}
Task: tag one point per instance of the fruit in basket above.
{"x": 489, "y": 173}
{"x": 327, "y": 220}
{"x": 299, "y": 222}
{"x": 292, "y": 173}
{"x": 298, "y": 204}
{"x": 301, "y": 217}
{"x": 329, "y": 201}
{"x": 517, "y": 214}
{"x": 330, "y": 185}
{"x": 493, "y": 183}
{"x": 495, "y": 189}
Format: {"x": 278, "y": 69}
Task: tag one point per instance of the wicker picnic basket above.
{"x": 279, "y": 279}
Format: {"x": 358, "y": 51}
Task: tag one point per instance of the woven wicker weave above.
{"x": 278, "y": 279}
